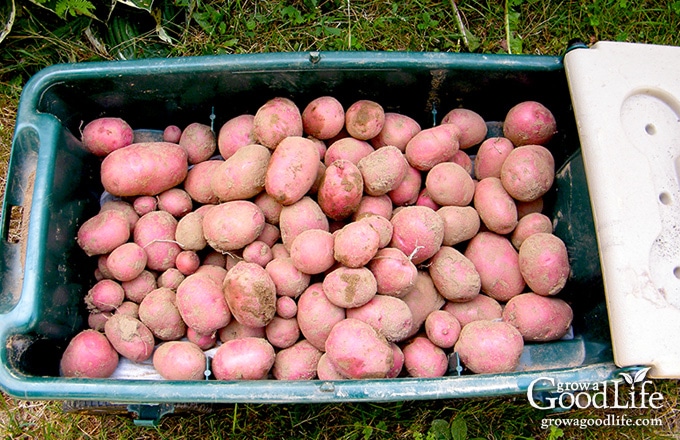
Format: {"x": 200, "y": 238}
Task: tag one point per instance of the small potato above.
{"x": 130, "y": 337}
{"x": 538, "y": 318}
{"x": 418, "y": 232}
{"x": 341, "y": 190}
{"x": 187, "y": 262}
{"x": 489, "y": 347}
{"x": 204, "y": 342}
{"x": 382, "y": 226}
{"x": 397, "y": 130}
{"x": 326, "y": 371}
{"x": 126, "y": 208}
{"x": 448, "y": 184}
{"x": 234, "y": 134}
{"x": 358, "y": 351}
{"x": 276, "y": 120}
{"x": 398, "y": 363}
{"x": 454, "y": 275}
{"x": 96, "y": 320}
{"x": 432, "y": 146}
{"x": 529, "y": 122}
{"x": 442, "y": 328}
{"x": 147, "y": 168}
{"x": 316, "y": 315}
{"x": 423, "y": 299}
{"x": 89, "y": 354}
{"x": 270, "y": 234}
{"x": 159, "y": 313}
{"x": 356, "y": 244}
{"x": 176, "y": 201}
{"x": 297, "y": 362}
{"x": 394, "y": 273}
{"x": 424, "y": 199}
{"x": 463, "y": 159}
{"x": 201, "y": 302}
{"x": 282, "y": 332}
{"x": 103, "y": 232}
{"x": 471, "y": 124}
{"x": 243, "y": 359}
{"x": 242, "y": 176}
{"x": 528, "y": 172}
{"x": 461, "y": 223}
{"x": 350, "y": 287}
{"x": 286, "y": 307}
{"x": 155, "y": 233}
{"x": 289, "y": 280}
{"x": 136, "y": 289}
{"x": 189, "y": 232}
{"x": 305, "y": 214}
{"x": 323, "y": 117}
{"x": 292, "y": 169}
{"x": 530, "y": 224}
{"x": 364, "y": 119}
{"x": 422, "y": 358}
{"x": 232, "y": 225}
{"x": 408, "y": 191}
{"x": 126, "y": 262}
{"x": 390, "y": 316}
{"x": 258, "y": 252}
{"x": 144, "y": 204}
{"x": 170, "y": 278}
{"x": 497, "y": 263}
{"x": 199, "y": 141}
{"x": 128, "y": 308}
{"x": 250, "y": 294}
{"x": 544, "y": 263}
{"x": 495, "y": 207}
{"x": 105, "y": 296}
{"x": 490, "y": 157}
{"x": 383, "y": 170}
{"x": 524, "y": 208}
{"x": 179, "y": 360}
{"x": 269, "y": 206}
{"x": 379, "y": 205}
{"x": 104, "y": 135}
{"x": 348, "y": 148}
{"x": 481, "y": 307}
{"x": 172, "y": 133}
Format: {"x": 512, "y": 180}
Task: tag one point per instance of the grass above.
{"x": 39, "y": 39}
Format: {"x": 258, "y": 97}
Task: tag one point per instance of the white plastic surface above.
{"x": 626, "y": 101}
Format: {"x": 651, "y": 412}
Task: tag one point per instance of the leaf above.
{"x": 627, "y": 378}
{"x": 458, "y": 429}
{"x": 439, "y": 430}
{"x": 139, "y": 4}
{"x": 640, "y": 375}
{"x": 8, "y": 20}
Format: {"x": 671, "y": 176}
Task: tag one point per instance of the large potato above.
{"x": 158, "y": 311}
{"x": 246, "y": 358}
{"x": 489, "y": 347}
{"x": 130, "y": 337}
{"x": 538, "y": 318}
{"x": 389, "y": 315}
{"x": 454, "y": 275}
{"x": 89, "y": 354}
{"x": 358, "y": 351}
{"x": 250, "y": 294}
{"x": 495, "y": 207}
{"x": 432, "y": 146}
{"x": 155, "y": 233}
{"x": 241, "y": 176}
{"x": 201, "y": 302}
{"x": 316, "y": 315}
{"x": 232, "y": 225}
{"x": 418, "y": 232}
{"x": 179, "y": 360}
{"x": 383, "y": 170}
{"x": 544, "y": 263}
{"x": 103, "y": 232}
{"x": 292, "y": 169}
{"x": 234, "y": 134}
{"x": 528, "y": 172}
{"x": 341, "y": 189}
{"x": 104, "y": 135}
{"x": 275, "y": 120}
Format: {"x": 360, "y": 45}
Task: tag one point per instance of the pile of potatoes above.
{"x": 322, "y": 242}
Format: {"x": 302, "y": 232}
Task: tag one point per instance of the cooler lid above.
{"x": 626, "y": 100}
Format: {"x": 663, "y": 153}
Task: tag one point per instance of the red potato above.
{"x": 104, "y": 135}
{"x": 531, "y": 223}
{"x": 204, "y": 342}
{"x": 179, "y": 360}
{"x": 245, "y": 358}
{"x": 348, "y": 148}
{"x": 187, "y": 262}
{"x": 418, "y": 232}
{"x": 538, "y": 318}
{"x": 394, "y": 273}
{"x": 312, "y": 251}
{"x": 170, "y": 278}
{"x": 524, "y": 208}
{"x": 341, "y": 190}
{"x": 350, "y": 287}
{"x": 356, "y": 244}
{"x": 236, "y": 330}
{"x": 544, "y": 263}
{"x": 105, "y": 296}
{"x": 126, "y": 208}
{"x": 103, "y": 232}
{"x": 408, "y": 191}
{"x": 289, "y": 280}
{"x": 155, "y": 232}
{"x": 102, "y": 271}
{"x": 489, "y": 347}
{"x": 390, "y": 316}
{"x": 364, "y": 119}
{"x": 496, "y": 208}
{"x": 424, "y": 199}
{"x": 89, "y": 354}
{"x": 126, "y": 262}
{"x": 234, "y": 134}
{"x": 136, "y": 289}
{"x": 305, "y": 214}
{"x": 96, "y": 320}
{"x": 286, "y": 307}
{"x": 461, "y": 223}
{"x": 432, "y": 146}
{"x": 316, "y": 315}
{"x": 422, "y": 358}
{"x": 199, "y": 141}
{"x": 269, "y": 206}
{"x": 270, "y": 234}
{"x": 422, "y": 299}
{"x": 382, "y": 226}
{"x": 215, "y": 270}
{"x": 242, "y": 176}
{"x": 442, "y": 328}
{"x": 130, "y": 337}
{"x": 144, "y": 204}
{"x": 158, "y": 312}
{"x": 297, "y": 362}
{"x": 497, "y": 263}
{"x": 250, "y": 294}
{"x": 212, "y": 259}
{"x": 398, "y": 363}
{"x": 172, "y": 133}
{"x": 448, "y": 183}
{"x": 471, "y": 124}
{"x": 189, "y": 232}
{"x": 176, "y": 201}
{"x": 258, "y": 252}
{"x": 201, "y": 302}
{"x": 379, "y": 205}
{"x": 128, "y": 308}
{"x": 198, "y": 181}
{"x": 323, "y": 117}
{"x": 292, "y": 169}
{"x": 383, "y": 170}
{"x": 397, "y": 130}
{"x": 481, "y": 307}
{"x": 232, "y": 225}
{"x": 464, "y": 160}
{"x": 147, "y": 168}
{"x": 528, "y": 172}
{"x": 276, "y": 120}
{"x": 358, "y": 351}
{"x": 282, "y": 332}
{"x": 454, "y": 275}
{"x": 326, "y": 371}
{"x": 529, "y": 122}
{"x": 490, "y": 157}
